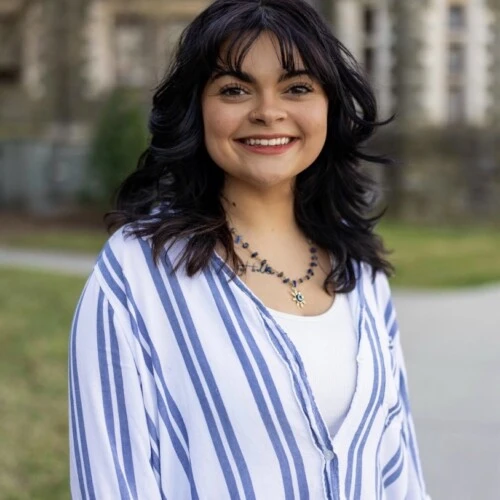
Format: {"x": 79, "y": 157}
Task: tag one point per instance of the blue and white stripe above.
{"x": 186, "y": 388}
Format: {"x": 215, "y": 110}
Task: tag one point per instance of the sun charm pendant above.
{"x": 298, "y": 298}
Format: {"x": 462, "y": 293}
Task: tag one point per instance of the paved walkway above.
{"x": 50, "y": 261}
{"x": 452, "y": 348}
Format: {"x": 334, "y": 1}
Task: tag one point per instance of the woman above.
{"x": 237, "y": 338}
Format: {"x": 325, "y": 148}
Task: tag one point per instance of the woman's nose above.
{"x": 267, "y": 112}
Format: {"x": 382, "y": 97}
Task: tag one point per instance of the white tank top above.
{"x": 327, "y": 345}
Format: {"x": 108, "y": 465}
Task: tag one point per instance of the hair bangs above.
{"x": 229, "y": 47}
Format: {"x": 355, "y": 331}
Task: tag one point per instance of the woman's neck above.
{"x": 261, "y": 214}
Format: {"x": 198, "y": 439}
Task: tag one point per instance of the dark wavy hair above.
{"x": 178, "y": 181}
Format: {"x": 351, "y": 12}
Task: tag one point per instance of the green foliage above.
{"x": 120, "y": 137}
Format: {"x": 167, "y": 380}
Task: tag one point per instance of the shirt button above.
{"x": 329, "y": 455}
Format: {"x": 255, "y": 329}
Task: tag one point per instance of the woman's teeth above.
{"x": 265, "y": 142}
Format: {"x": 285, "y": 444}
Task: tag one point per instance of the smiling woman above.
{"x": 237, "y": 338}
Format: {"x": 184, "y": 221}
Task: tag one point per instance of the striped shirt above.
{"x": 187, "y": 388}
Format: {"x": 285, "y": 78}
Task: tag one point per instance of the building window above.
{"x": 131, "y": 62}
{"x": 456, "y": 59}
{"x": 10, "y": 50}
{"x": 456, "y": 17}
{"x": 369, "y": 20}
{"x": 456, "y": 106}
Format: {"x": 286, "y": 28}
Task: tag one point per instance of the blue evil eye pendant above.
{"x": 298, "y": 297}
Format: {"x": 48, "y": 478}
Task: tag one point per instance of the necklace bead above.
{"x": 264, "y": 268}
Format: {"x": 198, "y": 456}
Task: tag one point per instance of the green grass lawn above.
{"x": 443, "y": 257}
{"x": 35, "y": 316}
{"x": 423, "y": 256}
{"x": 80, "y": 241}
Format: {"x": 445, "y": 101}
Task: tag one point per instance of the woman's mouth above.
{"x": 275, "y": 145}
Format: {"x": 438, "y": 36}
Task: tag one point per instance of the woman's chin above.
{"x": 270, "y": 182}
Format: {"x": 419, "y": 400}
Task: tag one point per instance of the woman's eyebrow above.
{"x": 248, "y": 78}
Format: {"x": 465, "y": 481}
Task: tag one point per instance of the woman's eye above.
{"x": 232, "y": 91}
{"x": 300, "y": 89}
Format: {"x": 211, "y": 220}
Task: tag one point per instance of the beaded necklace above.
{"x": 263, "y": 267}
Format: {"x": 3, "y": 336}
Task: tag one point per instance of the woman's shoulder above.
{"x": 123, "y": 246}
{"x": 128, "y": 253}
{"x": 375, "y": 280}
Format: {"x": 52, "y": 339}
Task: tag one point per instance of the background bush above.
{"x": 120, "y": 136}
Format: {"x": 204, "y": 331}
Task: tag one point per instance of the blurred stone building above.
{"x": 435, "y": 63}
{"x": 58, "y": 58}
{"x": 435, "y": 57}
{"x": 58, "y": 61}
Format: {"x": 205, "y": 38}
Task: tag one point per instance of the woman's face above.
{"x": 264, "y": 126}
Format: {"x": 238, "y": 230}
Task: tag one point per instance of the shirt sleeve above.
{"x": 416, "y": 484}
{"x": 110, "y": 451}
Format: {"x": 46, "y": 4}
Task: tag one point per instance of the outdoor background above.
{"x": 76, "y": 79}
